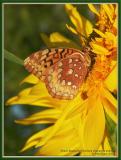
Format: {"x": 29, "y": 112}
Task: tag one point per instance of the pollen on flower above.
{"x": 107, "y": 17}
{"x": 100, "y": 71}
{"x": 102, "y": 23}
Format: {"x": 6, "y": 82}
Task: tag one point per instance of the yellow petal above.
{"x": 112, "y": 6}
{"x": 74, "y": 16}
{"x": 100, "y": 151}
{"x": 108, "y": 11}
{"x": 112, "y": 40}
{"x": 94, "y": 126}
{"x": 104, "y": 149}
{"x": 46, "y": 116}
{"x": 46, "y": 40}
{"x": 106, "y": 144}
{"x": 115, "y": 24}
{"x": 46, "y": 134}
{"x": 37, "y": 136}
{"x": 109, "y": 97}
{"x": 34, "y": 139}
{"x": 111, "y": 81}
{"x": 57, "y": 37}
{"x": 93, "y": 9}
{"x": 28, "y": 122}
{"x": 107, "y": 147}
{"x": 36, "y": 95}
{"x": 98, "y": 49}
{"x": 68, "y": 108}
{"x": 38, "y": 89}
{"x": 110, "y": 109}
{"x": 30, "y": 79}
{"x": 83, "y": 26}
{"x": 70, "y": 126}
{"x": 35, "y": 100}
{"x": 16, "y": 99}
{"x": 59, "y": 40}
{"x": 28, "y": 146}
{"x": 88, "y": 27}
{"x": 100, "y": 33}
{"x": 66, "y": 129}
{"x": 71, "y": 29}
{"x": 59, "y": 146}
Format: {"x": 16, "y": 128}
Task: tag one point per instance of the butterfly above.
{"x": 63, "y": 70}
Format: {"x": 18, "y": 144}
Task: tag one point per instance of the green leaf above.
{"x": 11, "y": 57}
{"x": 111, "y": 131}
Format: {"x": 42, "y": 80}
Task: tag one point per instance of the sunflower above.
{"x": 80, "y": 126}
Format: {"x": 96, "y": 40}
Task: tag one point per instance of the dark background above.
{"x": 22, "y": 27}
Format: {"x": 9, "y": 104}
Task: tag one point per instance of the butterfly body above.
{"x": 62, "y": 70}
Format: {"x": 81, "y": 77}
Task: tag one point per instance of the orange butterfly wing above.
{"x": 62, "y": 70}
{"x": 38, "y": 62}
{"x": 64, "y": 79}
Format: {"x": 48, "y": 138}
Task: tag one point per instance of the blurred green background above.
{"x": 23, "y": 24}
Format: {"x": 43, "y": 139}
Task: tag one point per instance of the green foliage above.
{"x": 111, "y": 131}
{"x": 11, "y": 57}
